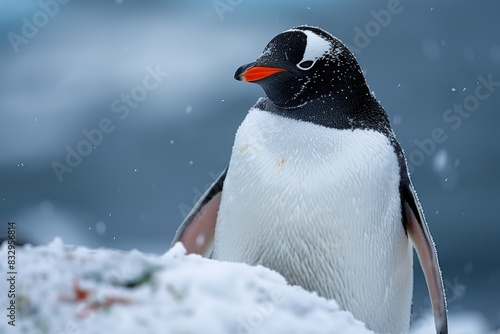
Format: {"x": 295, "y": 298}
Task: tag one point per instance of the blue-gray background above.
{"x": 134, "y": 188}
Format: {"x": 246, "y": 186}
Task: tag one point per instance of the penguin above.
{"x": 318, "y": 188}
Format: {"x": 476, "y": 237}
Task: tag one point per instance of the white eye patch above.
{"x": 316, "y": 48}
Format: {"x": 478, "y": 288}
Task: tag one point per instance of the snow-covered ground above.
{"x": 68, "y": 289}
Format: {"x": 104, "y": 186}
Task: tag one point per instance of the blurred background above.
{"x": 115, "y": 116}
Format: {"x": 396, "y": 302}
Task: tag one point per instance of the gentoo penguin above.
{"x": 318, "y": 188}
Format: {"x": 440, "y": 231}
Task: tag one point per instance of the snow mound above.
{"x": 67, "y": 289}
{"x": 71, "y": 290}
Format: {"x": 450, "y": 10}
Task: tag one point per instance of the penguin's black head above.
{"x": 305, "y": 64}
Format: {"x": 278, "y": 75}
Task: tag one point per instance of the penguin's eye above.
{"x": 305, "y": 65}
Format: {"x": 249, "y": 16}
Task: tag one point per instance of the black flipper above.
{"x": 197, "y": 231}
{"x": 419, "y": 234}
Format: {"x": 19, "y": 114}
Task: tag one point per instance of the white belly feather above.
{"x": 320, "y": 206}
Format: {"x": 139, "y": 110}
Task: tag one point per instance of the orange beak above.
{"x": 254, "y": 73}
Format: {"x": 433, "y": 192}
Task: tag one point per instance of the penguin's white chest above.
{"x": 320, "y": 206}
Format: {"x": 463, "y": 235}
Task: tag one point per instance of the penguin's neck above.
{"x": 337, "y": 111}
